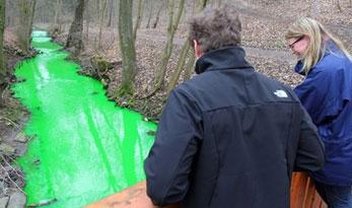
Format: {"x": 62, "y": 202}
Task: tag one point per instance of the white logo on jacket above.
{"x": 280, "y": 93}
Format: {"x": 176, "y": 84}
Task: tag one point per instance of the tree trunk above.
{"x": 87, "y": 28}
{"x": 24, "y": 29}
{"x": 111, "y": 6}
{"x": 74, "y": 39}
{"x": 2, "y": 65}
{"x": 179, "y": 68}
{"x": 189, "y": 66}
{"x": 172, "y": 26}
{"x": 158, "y": 14}
{"x": 200, "y": 4}
{"x": 150, "y": 3}
{"x": 57, "y": 26}
{"x": 139, "y": 19}
{"x": 102, "y": 11}
{"x": 32, "y": 6}
{"x": 127, "y": 48}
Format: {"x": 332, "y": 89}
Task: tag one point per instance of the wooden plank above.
{"x": 303, "y": 195}
{"x": 133, "y": 197}
{"x": 298, "y": 186}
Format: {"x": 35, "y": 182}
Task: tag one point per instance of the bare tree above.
{"x": 10, "y": 18}
{"x": 2, "y": 65}
{"x": 2, "y": 29}
{"x": 174, "y": 20}
{"x": 24, "y": 29}
{"x": 200, "y": 5}
{"x": 189, "y": 66}
{"x": 127, "y": 48}
{"x": 57, "y": 24}
{"x": 111, "y": 10}
{"x": 185, "y": 52}
{"x": 74, "y": 39}
{"x": 139, "y": 18}
{"x": 157, "y": 17}
{"x": 179, "y": 67}
{"x": 102, "y": 11}
{"x": 150, "y": 3}
{"x": 87, "y": 18}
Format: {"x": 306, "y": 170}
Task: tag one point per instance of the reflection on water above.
{"x": 84, "y": 148}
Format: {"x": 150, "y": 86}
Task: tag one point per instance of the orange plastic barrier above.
{"x": 303, "y": 195}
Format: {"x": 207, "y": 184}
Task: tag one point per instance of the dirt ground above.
{"x": 264, "y": 25}
{"x": 12, "y": 118}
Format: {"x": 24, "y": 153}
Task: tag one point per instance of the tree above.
{"x": 179, "y": 67}
{"x": 102, "y": 10}
{"x": 157, "y": 17}
{"x": 189, "y": 66}
{"x": 150, "y": 3}
{"x": 185, "y": 52}
{"x": 127, "y": 48}
{"x": 57, "y": 25}
{"x": 2, "y": 28}
{"x": 111, "y": 10}
{"x": 139, "y": 18}
{"x": 2, "y": 65}
{"x": 174, "y": 20}
{"x": 88, "y": 17}
{"x": 10, "y": 18}
{"x": 74, "y": 39}
{"x": 24, "y": 29}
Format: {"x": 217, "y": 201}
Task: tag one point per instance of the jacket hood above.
{"x": 231, "y": 57}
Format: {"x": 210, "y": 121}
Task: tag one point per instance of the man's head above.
{"x": 215, "y": 28}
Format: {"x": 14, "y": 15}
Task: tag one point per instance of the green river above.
{"x": 82, "y": 148}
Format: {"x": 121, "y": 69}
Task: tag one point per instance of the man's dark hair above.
{"x": 215, "y": 28}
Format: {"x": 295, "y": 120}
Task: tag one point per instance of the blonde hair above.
{"x": 317, "y": 35}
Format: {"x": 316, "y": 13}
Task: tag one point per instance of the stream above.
{"x": 82, "y": 146}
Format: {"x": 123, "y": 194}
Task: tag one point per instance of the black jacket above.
{"x": 230, "y": 137}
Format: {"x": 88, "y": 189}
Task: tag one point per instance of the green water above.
{"x": 83, "y": 147}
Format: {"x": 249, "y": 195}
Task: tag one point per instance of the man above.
{"x": 229, "y": 137}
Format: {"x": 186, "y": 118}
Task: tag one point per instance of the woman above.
{"x": 326, "y": 93}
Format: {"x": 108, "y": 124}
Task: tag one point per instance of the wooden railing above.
{"x": 303, "y": 195}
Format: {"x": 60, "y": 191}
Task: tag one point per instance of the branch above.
{"x": 9, "y": 177}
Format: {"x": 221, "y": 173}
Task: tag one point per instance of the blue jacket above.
{"x": 326, "y": 93}
{"x": 230, "y": 137}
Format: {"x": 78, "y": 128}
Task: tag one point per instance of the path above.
{"x": 273, "y": 54}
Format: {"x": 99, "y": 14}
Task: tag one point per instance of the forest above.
{"x": 138, "y": 51}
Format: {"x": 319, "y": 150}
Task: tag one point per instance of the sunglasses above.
{"x": 296, "y": 41}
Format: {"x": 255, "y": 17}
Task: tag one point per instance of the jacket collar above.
{"x": 230, "y": 57}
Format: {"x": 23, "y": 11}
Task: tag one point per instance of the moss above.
{"x": 100, "y": 63}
